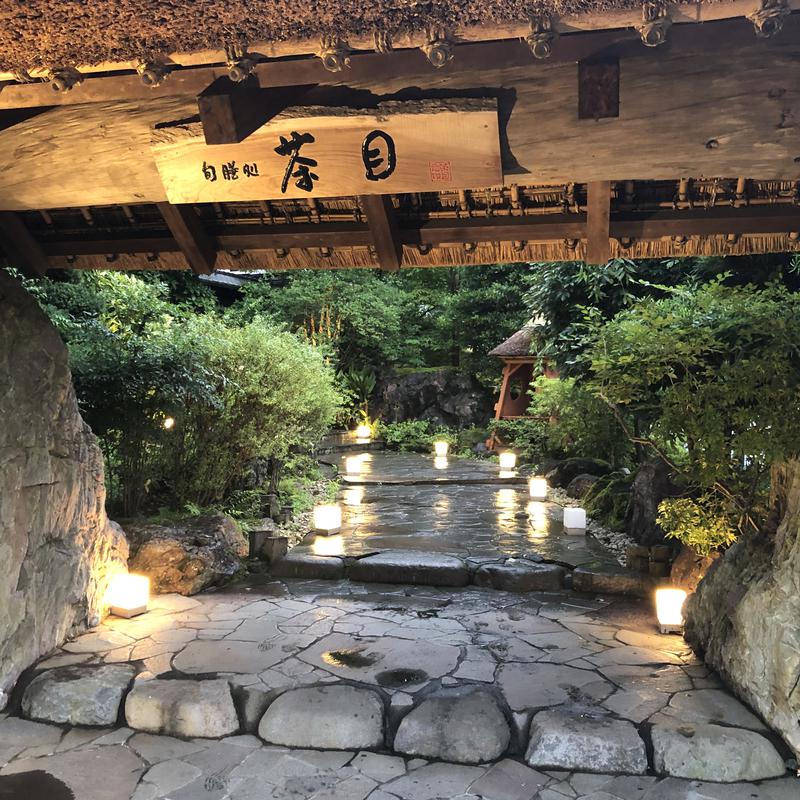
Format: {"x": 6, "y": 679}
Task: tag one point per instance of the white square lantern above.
{"x": 327, "y": 519}
{"x": 128, "y": 595}
{"x": 669, "y": 609}
{"x": 575, "y": 519}
{"x": 508, "y": 460}
{"x": 363, "y": 433}
{"x": 537, "y": 488}
{"x": 440, "y": 449}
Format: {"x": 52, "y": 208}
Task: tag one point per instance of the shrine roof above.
{"x": 517, "y": 345}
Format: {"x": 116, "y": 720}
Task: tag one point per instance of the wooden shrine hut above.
{"x": 520, "y": 365}
{"x": 241, "y": 136}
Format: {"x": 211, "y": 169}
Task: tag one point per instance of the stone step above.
{"x": 527, "y": 573}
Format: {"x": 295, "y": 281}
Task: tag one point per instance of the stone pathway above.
{"x": 401, "y": 501}
{"x": 331, "y": 690}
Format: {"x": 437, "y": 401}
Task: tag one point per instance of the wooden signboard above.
{"x": 328, "y": 152}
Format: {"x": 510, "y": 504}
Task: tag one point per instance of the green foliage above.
{"x": 607, "y": 501}
{"x": 713, "y": 374}
{"x": 414, "y": 434}
{"x": 577, "y": 422}
{"x": 419, "y": 319}
{"x": 358, "y": 386}
{"x": 235, "y": 393}
{"x": 704, "y": 525}
{"x": 528, "y": 437}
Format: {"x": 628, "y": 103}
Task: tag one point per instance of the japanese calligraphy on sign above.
{"x": 345, "y": 154}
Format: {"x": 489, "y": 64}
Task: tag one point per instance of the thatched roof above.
{"x": 37, "y": 33}
{"x": 516, "y": 346}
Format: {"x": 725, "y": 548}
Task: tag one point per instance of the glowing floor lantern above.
{"x": 364, "y": 432}
{"x": 352, "y": 465}
{"x": 508, "y": 460}
{"x": 669, "y": 609}
{"x": 440, "y": 449}
{"x": 440, "y": 462}
{"x": 327, "y": 519}
{"x": 537, "y": 487}
{"x": 575, "y": 519}
{"x": 128, "y": 595}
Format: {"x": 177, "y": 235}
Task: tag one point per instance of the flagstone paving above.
{"x": 401, "y": 501}
{"x": 548, "y": 662}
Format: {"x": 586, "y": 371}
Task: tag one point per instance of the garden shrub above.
{"x": 704, "y": 524}
{"x": 235, "y": 393}
{"x": 712, "y": 377}
{"x": 607, "y": 501}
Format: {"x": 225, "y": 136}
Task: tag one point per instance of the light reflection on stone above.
{"x": 537, "y": 513}
{"x": 328, "y": 545}
{"x": 354, "y": 496}
{"x": 440, "y": 462}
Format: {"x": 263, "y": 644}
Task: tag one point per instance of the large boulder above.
{"x": 464, "y": 725}
{"x": 189, "y": 555}
{"x": 188, "y": 708}
{"x": 745, "y": 615}
{"x": 57, "y": 547}
{"x": 443, "y": 397}
{"x": 652, "y": 484}
{"x": 336, "y": 717}
{"x": 78, "y": 695}
{"x": 564, "y": 472}
{"x": 689, "y": 568}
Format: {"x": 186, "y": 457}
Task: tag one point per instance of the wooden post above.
{"x": 383, "y": 227}
{"x": 598, "y": 222}
{"x": 230, "y": 112}
{"x": 196, "y": 245}
{"x": 598, "y": 89}
{"x": 22, "y": 250}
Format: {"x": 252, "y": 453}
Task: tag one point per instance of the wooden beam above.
{"x": 433, "y": 233}
{"x": 196, "y": 245}
{"x": 598, "y": 222}
{"x": 230, "y": 112}
{"x": 382, "y": 222}
{"x": 21, "y": 249}
{"x": 723, "y": 37}
{"x": 598, "y": 89}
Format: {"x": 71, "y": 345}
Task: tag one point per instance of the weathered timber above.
{"x": 324, "y": 152}
{"x": 570, "y": 23}
{"x": 598, "y": 88}
{"x": 230, "y": 112}
{"x": 598, "y": 222}
{"x": 721, "y": 221}
{"x": 686, "y": 40}
{"x": 708, "y": 116}
{"x": 21, "y": 249}
{"x": 197, "y": 246}
{"x": 382, "y": 222}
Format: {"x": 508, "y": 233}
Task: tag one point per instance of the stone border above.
{"x": 527, "y": 572}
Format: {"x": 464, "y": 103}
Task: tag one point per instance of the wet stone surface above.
{"x": 402, "y": 502}
{"x": 534, "y": 654}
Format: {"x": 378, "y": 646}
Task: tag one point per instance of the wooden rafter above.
{"x": 196, "y": 245}
{"x": 532, "y": 228}
{"x": 382, "y": 222}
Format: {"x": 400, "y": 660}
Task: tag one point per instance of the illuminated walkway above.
{"x": 403, "y": 502}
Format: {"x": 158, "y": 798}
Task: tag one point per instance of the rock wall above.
{"x": 57, "y": 548}
{"x": 745, "y": 615}
{"x": 444, "y": 397}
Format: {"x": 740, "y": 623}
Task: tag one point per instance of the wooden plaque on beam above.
{"x": 429, "y": 145}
